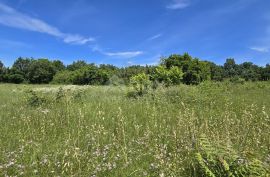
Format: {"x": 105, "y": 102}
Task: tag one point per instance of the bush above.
{"x": 16, "y": 78}
{"x": 141, "y": 84}
{"x": 237, "y": 80}
{"x": 34, "y": 99}
{"x": 63, "y": 77}
{"x": 90, "y": 75}
{"x": 41, "y": 71}
{"x": 172, "y": 76}
{"x": 115, "y": 81}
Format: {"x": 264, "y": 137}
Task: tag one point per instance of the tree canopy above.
{"x": 172, "y": 70}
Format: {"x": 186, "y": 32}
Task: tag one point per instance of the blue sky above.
{"x": 127, "y": 32}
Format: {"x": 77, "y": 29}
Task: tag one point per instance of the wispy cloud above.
{"x": 122, "y": 54}
{"x": 12, "y": 18}
{"x": 154, "y": 37}
{"x": 178, "y": 4}
{"x": 127, "y": 54}
{"x": 260, "y": 49}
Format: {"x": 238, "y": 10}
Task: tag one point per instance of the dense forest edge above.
{"x": 171, "y": 70}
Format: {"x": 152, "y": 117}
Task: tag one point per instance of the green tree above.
{"x": 63, "y": 77}
{"x": 217, "y": 72}
{"x": 58, "y": 65}
{"x": 230, "y": 68}
{"x": 249, "y": 71}
{"x": 115, "y": 80}
{"x": 180, "y": 61}
{"x": 175, "y": 75}
{"x": 15, "y": 78}
{"x": 130, "y": 71}
{"x": 21, "y": 67}
{"x": 41, "y": 71}
{"x": 109, "y": 68}
{"x": 172, "y": 76}
{"x": 1, "y": 71}
{"x": 161, "y": 74}
{"x": 265, "y": 73}
{"x": 197, "y": 72}
{"x": 90, "y": 75}
{"x": 1, "y": 65}
{"x": 77, "y": 65}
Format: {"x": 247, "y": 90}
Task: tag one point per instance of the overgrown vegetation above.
{"x": 183, "y": 117}
{"x": 212, "y": 129}
{"x": 172, "y": 70}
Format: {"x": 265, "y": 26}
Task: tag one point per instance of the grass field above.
{"x": 207, "y": 130}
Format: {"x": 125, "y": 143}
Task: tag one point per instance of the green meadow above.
{"x": 213, "y": 129}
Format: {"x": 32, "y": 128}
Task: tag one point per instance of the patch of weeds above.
{"x": 35, "y": 99}
{"x": 223, "y": 160}
{"x": 78, "y": 95}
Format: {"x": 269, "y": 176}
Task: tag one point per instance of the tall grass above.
{"x": 207, "y": 130}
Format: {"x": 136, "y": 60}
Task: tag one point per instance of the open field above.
{"x": 207, "y": 130}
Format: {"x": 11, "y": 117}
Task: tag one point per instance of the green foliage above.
{"x": 35, "y": 99}
{"x": 180, "y": 61}
{"x": 15, "y": 78}
{"x": 115, "y": 81}
{"x": 197, "y": 72}
{"x": 141, "y": 84}
{"x": 230, "y": 68}
{"x": 77, "y": 65}
{"x": 47, "y": 98}
{"x": 194, "y": 70}
{"x": 225, "y": 161}
{"x": 1, "y": 71}
{"x": 128, "y": 72}
{"x": 161, "y": 74}
{"x": 90, "y": 75}
{"x": 1, "y": 65}
{"x": 58, "y": 65}
{"x": 112, "y": 70}
{"x": 63, "y": 77}
{"x": 172, "y": 70}
{"x": 175, "y": 75}
{"x": 82, "y": 76}
{"x": 172, "y": 76}
{"x": 237, "y": 80}
{"x": 22, "y": 66}
{"x": 249, "y": 71}
{"x": 64, "y": 96}
{"x": 217, "y": 72}
{"x": 41, "y": 71}
{"x": 265, "y": 73}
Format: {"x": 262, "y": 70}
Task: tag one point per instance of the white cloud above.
{"x": 77, "y": 39}
{"x": 178, "y": 4}
{"x": 128, "y": 54}
{"x": 260, "y": 49}
{"x": 155, "y": 37}
{"x": 124, "y": 54}
{"x": 12, "y": 18}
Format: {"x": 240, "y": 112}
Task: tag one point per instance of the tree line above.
{"x": 171, "y": 70}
